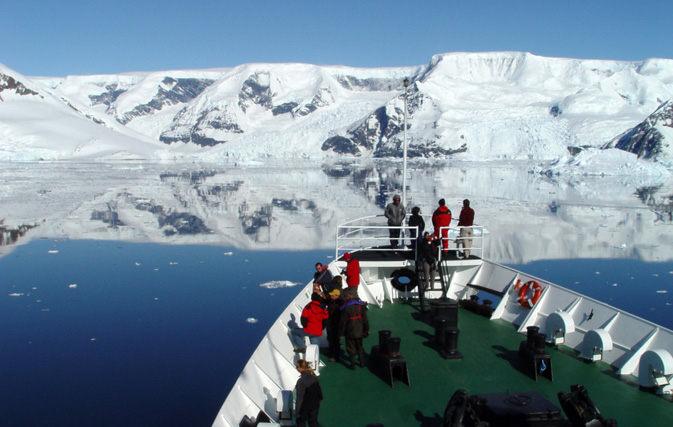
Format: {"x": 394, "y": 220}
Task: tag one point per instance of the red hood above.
{"x": 316, "y": 307}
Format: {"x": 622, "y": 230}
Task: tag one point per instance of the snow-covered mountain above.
{"x": 652, "y": 138}
{"x": 468, "y": 106}
{"x": 37, "y": 123}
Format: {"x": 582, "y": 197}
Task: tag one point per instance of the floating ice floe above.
{"x": 137, "y": 263}
{"x": 251, "y": 320}
{"x": 53, "y": 251}
{"x": 662, "y": 291}
{"x": 275, "y": 284}
{"x": 228, "y": 253}
{"x": 73, "y": 286}
{"x": 17, "y": 294}
{"x": 173, "y": 263}
{"x": 614, "y": 284}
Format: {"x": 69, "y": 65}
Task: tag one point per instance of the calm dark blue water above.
{"x": 150, "y": 335}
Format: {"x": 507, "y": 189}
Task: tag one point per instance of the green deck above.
{"x": 490, "y": 365}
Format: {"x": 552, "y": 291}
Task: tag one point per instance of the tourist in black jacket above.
{"x": 309, "y": 395}
{"x": 427, "y": 257}
{"x": 354, "y": 326}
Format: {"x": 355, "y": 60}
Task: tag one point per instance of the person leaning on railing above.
{"x": 441, "y": 220}
{"x": 465, "y": 221}
{"x": 416, "y": 226}
{"x": 395, "y": 213}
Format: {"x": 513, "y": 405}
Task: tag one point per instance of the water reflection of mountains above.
{"x": 298, "y": 206}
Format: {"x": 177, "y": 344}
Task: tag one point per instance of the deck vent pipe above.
{"x": 384, "y": 334}
{"x": 393, "y": 346}
{"x": 539, "y": 342}
{"x": 441, "y": 323}
{"x": 530, "y": 335}
{"x": 451, "y": 339}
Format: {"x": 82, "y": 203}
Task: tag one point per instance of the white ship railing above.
{"x": 451, "y": 241}
{"x": 371, "y": 232}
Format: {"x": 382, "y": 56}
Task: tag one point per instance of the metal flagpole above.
{"x": 404, "y": 170}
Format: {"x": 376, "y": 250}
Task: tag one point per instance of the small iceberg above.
{"x": 275, "y": 284}
{"x": 72, "y": 286}
{"x": 52, "y": 251}
{"x": 662, "y": 292}
{"x": 17, "y": 294}
{"x": 251, "y": 320}
{"x": 228, "y": 253}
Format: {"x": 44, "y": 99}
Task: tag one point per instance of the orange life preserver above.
{"x": 523, "y": 293}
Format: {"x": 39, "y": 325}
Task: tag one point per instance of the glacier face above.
{"x": 467, "y": 106}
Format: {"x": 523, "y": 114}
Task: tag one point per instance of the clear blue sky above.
{"x": 57, "y": 38}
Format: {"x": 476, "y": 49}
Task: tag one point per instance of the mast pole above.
{"x": 404, "y": 168}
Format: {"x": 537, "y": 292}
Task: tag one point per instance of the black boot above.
{"x": 352, "y": 365}
{"x": 361, "y": 356}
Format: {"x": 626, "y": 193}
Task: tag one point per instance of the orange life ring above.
{"x": 524, "y": 300}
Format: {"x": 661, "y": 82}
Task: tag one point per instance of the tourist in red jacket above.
{"x": 442, "y": 218}
{"x": 352, "y": 272}
{"x": 313, "y": 319}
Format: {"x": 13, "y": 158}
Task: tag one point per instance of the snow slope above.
{"x": 36, "y": 124}
{"x": 467, "y": 106}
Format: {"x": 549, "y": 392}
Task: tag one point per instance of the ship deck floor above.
{"x": 490, "y": 365}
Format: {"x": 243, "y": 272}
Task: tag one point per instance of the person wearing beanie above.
{"x": 441, "y": 220}
{"x": 417, "y": 225}
{"x": 395, "y": 213}
{"x": 352, "y": 272}
{"x": 465, "y": 222}
{"x": 334, "y": 303}
{"x": 313, "y": 319}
